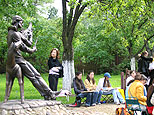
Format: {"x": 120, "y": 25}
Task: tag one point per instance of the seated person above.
{"x": 79, "y": 87}
{"x": 131, "y": 77}
{"x": 144, "y": 80}
{"x": 150, "y": 98}
{"x": 136, "y": 89}
{"x": 90, "y": 84}
{"x": 104, "y": 88}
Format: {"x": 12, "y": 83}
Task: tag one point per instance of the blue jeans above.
{"x": 94, "y": 97}
{"x": 99, "y": 96}
{"x": 88, "y": 97}
{"x": 91, "y": 97}
{"x": 116, "y": 95}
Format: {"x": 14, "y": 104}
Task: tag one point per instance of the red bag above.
{"x": 150, "y": 109}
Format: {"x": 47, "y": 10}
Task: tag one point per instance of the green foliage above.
{"x": 97, "y": 49}
{"x": 48, "y": 32}
{"x": 113, "y": 29}
{"x": 48, "y": 37}
{"x": 131, "y": 19}
{"x": 107, "y": 35}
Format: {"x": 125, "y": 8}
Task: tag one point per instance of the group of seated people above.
{"x": 136, "y": 86}
{"x": 93, "y": 92}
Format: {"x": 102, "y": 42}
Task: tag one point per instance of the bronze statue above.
{"x": 21, "y": 41}
{"x": 12, "y": 70}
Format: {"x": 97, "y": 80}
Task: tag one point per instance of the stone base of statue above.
{"x": 32, "y": 107}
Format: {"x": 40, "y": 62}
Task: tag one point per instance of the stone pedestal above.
{"x": 32, "y": 107}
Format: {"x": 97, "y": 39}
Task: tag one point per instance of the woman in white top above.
{"x": 55, "y": 69}
{"x": 131, "y": 77}
{"x": 104, "y": 88}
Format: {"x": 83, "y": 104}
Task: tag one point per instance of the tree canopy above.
{"x": 107, "y": 34}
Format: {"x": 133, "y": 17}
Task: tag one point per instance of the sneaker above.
{"x": 117, "y": 103}
{"x": 123, "y": 102}
{"x": 94, "y": 104}
{"x": 99, "y": 103}
{"x": 87, "y": 105}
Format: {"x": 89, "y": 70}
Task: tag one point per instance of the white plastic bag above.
{"x": 151, "y": 66}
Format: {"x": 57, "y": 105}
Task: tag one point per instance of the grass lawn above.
{"x": 31, "y": 93}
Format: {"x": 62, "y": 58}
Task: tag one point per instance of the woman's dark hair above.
{"x": 131, "y": 71}
{"x": 78, "y": 82}
{"x": 88, "y": 78}
{"x": 138, "y": 76}
{"x": 131, "y": 81}
{"x": 150, "y": 90}
{"x": 57, "y": 53}
{"x": 143, "y": 53}
{"x": 78, "y": 73}
{"x": 143, "y": 77}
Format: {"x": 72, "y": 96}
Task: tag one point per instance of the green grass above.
{"x": 31, "y": 93}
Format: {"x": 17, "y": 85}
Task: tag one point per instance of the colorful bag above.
{"x": 150, "y": 109}
{"x": 122, "y": 93}
{"x": 122, "y": 111}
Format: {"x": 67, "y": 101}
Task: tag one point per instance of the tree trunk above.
{"x": 69, "y": 74}
{"x": 68, "y": 64}
{"x": 70, "y": 20}
{"x": 132, "y": 63}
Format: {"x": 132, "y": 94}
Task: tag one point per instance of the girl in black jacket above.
{"x": 55, "y": 69}
{"x": 79, "y": 88}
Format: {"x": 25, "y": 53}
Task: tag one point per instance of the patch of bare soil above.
{"x": 103, "y": 109}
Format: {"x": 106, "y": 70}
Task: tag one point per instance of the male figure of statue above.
{"x": 27, "y": 69}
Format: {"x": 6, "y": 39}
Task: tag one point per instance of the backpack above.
{"x": 122, "y": 111}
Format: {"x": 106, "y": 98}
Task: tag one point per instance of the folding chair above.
{"x": 107, "y": 98}
{"x": 133, "y": 105}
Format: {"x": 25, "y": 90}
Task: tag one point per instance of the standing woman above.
{"x": 143, "y": 63}
{"x": 55, "y": 69}
{"x": 147, "y": 66}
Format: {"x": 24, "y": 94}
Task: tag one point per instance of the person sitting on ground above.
{"x": 131, "y": 77}
{"x": 136, "y": 89}
{"x": 90, "y": 84}
{"x": 79, "y": 87}
{"x": 104, "y": 88}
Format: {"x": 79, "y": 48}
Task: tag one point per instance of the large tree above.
{"x": 132, "y": 19}
{"x": 70, "y": 19}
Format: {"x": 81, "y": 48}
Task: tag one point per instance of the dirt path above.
{"x": 103, "y": 109}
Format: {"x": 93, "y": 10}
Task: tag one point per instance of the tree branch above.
{"x": 64, "y": 20}
{"x": 70, "y": 18}
{"x": 144, "y": 45}
{"x": 142, "y": 23}
{"x": 75, "y": 19}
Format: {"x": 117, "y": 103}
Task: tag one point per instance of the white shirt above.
{"x": 54, "y": 71}
{"x": 100, "y": 84}
{"x": 129, "y": 79}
